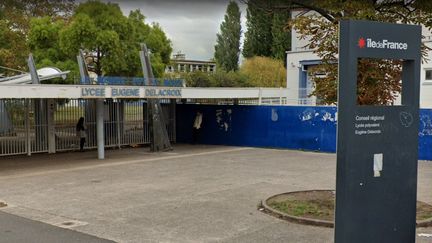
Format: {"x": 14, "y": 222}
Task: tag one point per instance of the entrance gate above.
{"x": 125, "y": 123}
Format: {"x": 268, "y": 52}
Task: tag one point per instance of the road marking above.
{"x": 110, "y": 164}
{"x": 425, "y": 235}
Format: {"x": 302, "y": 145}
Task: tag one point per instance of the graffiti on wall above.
{"x": 425, "y": 128}
{"x": 224, "y": 119}
{"x": 274, "y": 115}
{"x": 311, "y": 114}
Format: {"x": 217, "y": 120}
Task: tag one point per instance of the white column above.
{"x": 260, "y": 96}
{"x": 100, "y": 128}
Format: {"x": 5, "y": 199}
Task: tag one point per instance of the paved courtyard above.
{"x": 192, "y": 194}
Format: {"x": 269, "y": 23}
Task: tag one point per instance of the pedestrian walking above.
{"x": 81, "y": 133}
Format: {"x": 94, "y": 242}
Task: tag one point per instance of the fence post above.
{"x": 51, "y": 126}
{"x": 27, "y": 127}
{"x": 118, "y": 123}
{"x": 260, "y": 96}
{"x": 100, "y": 128}
{"x": 280, "y": 95}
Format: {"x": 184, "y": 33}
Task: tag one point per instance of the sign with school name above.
{"x": 125, "y": 92}
{"x": 130, "y": 92}
{"x": 93, "y": 92}
{"x": 162, "y": 93}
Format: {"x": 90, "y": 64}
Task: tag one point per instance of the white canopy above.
{"x": 44, "y": 74}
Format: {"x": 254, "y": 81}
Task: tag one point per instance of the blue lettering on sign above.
{"x": 93, "y": 92}
{"x": 173, "y": 83}
{"x": 163, "y": 92}
{"x": 150, "y": 92}
{"x": 124, "y": 92}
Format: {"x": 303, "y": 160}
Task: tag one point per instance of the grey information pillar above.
{"x": 100, "y": 128}
{"x": 159, "y": 139}
{"x": 40, "y": 107}
{"x": 377, "y": 146}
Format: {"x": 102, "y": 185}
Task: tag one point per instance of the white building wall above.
{"x": 296, "y": 43}
{"x": 294, "y": 68}
{"x": 426, "y": 85}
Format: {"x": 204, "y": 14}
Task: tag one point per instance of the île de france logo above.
{"x": 361, "y": 42}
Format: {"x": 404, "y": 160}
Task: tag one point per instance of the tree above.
{"x": 43, "y": 41}
{"x": 98, "y": 28}
{"x": 12, "y": 48}
{"x": 281, "y": 35}
{"x": 264, "y": 72}
{"x": 15, "y": 18}
{"x": 227, "y": 48}
{"x": 19, "y": 12}
{"x": 378, "y": 80}
{"x": 266, "y": 33}
{"x": 112, "y": 40}
{"x": 258, "y": 37}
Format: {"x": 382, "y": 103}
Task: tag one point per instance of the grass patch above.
{"x": 310, "y": 209}
{"x": 321, "y": 205}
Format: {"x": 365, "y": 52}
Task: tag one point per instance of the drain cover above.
{"x": 68, "y": 223}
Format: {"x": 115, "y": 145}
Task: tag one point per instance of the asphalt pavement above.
{"x": 14, "y": 229}
{"x": 198, "y": 193}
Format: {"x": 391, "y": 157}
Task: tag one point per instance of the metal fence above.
{"x": 40, "y": 125}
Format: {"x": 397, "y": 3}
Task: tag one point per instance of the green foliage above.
{"x": 229, "y": 79}
{"x": 15, "y": 18}
{"x": 54, "y": 31}
{"x": 158, "y": 43}
{"x": 218, "y": 79}
{"x": 264, "y": 72}
{"x": 227, "y": 48}
{"x": 44, "y": 43}
{"x": 12, "y": 48}
{"x": 258, "y": 37}
{"x": 266, "y": 33}
{"x": 43, "y": 38}
{"x": 281, "y": 35}
{"x": 113, "y": 40}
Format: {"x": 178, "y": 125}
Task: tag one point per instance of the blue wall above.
{"x": 425, "y": 134}
{"x": 308, "y": 128}
{"x": 293, "y": 127}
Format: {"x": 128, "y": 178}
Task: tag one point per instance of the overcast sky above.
{"x": 191, "y": 25}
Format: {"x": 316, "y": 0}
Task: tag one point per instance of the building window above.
{"x": 428, "y": 74}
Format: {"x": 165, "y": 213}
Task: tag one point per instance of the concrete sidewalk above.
{"x": 192, "y": 194}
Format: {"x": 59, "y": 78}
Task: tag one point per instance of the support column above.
{"x": 51, "y": 126}
{"x": 118, "y": 103}
{"x": 100, "y": 128}
{"x": 27, "y": 127}
{"x": 260, "y": 96}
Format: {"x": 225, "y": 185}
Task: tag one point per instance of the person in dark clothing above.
{"x": 81, "y": 132}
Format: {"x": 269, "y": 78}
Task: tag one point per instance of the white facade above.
{"x": 300, "y": 58}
